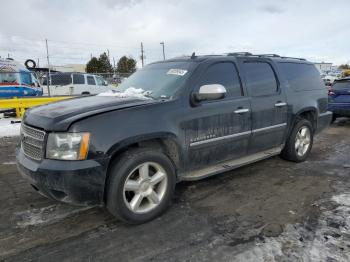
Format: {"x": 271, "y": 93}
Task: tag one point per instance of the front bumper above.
{"x": 75, "y": 182}
{"x": 323, "y": 121}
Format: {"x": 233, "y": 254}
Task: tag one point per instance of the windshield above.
{"x": 341, "y": 85}
{"x": 8, "y": 78}
{"x": 160, "y": 80}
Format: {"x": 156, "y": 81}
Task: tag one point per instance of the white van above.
{"x": 76, "y": 84}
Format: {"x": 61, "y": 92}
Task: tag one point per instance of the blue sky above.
{"x": 316, "y": 30}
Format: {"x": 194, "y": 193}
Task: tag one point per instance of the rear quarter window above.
{"x": 301, "y": 77}
{"x": 341, "y": 85}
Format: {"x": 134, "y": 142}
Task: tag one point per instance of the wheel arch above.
{"x": 164, "y": 142}
{"x": 308, "y": 113}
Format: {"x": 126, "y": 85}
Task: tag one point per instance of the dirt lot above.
{"x": 269, "y": 211}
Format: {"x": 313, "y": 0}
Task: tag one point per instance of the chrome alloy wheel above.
{"x": 302, "y": 141}
{"x": 145, "y": 187}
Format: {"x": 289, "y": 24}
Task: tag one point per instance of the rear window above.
{"x": 341, "y": 85}
{"x": 301, "y": 77}
{"x": 61, "y": 79}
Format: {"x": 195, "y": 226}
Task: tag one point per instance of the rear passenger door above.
{"x": 268, "y": 104}
{"x": 219, "y": 130}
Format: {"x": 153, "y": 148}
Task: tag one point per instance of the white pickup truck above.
{"x": 76, "y": 84}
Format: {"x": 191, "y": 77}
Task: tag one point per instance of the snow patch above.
{"x": 328, "y": 241}
{"x": 46, "y": 215}
{"x": 130, "y": 92}
{"x": 7, "y": 129}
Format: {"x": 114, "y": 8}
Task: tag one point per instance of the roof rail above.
{"x": 287, "y": 57}
{"x": 269, "y": 55}
{"x": 239, "y": 54}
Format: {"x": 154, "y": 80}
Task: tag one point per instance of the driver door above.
{"x": 219, "y": 129}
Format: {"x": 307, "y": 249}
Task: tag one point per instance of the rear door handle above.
{"x": 280, "y": 104}
{"x": 241, "y": 111}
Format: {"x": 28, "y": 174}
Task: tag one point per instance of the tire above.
{"x": 295, "y": 153}
{"x": 334, "y": 117}
{"x": 122, "y": 200}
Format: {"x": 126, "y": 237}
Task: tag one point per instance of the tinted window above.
{"x": 341, "y": 85}
{"x": 61, "y": 79}
{"x": 301, "y": 77}
{"x": 91, "y": 80}
{"x": 78, "y": 79}
{"x": 261, "y": 79}
{"x": 226, "y": 75}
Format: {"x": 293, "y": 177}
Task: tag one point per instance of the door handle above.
{"x": 241, "y": 111}
{"x": 280, "y": 104}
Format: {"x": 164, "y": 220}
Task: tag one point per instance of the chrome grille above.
{"x": 32, "y": 142}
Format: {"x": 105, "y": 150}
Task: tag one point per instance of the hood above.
{"x": 58, "y": 116}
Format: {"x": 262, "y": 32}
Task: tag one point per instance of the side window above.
{"x": 99, "y": 80}
{"x": 78, "y": 79}
{"x": 301, "y": 76}
{"x": 224, "y": 73}
{"x": 91, "y": 80}
{"x": 26, "y": 78}
{"x": 261, "y": 79}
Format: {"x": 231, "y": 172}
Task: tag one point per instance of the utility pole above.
{"x": 108, "y": 55}
{"x": 38, "y": 63}
{"x": 48, "y": 78}
{"x": 142, "y": 54}
{"x": 162, "y": 43}
{"x": 113, "y": 67}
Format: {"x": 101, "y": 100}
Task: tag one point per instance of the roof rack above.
{"x": 240, "y": 54}
{"x": 269, "y": 55}
{"x": 263, "y": 55}
{"x": 287, "y": 57}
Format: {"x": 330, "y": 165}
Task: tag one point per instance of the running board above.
{"x": 229, "y": 165}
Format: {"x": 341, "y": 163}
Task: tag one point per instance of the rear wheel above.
{"x": 334, "y": 117}
{"x": 140, "y": 186}
{"x": 299, "y": 143}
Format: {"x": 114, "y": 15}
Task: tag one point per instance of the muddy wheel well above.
{"x": 309, "y": 115}
{"x": 166, "y": 145}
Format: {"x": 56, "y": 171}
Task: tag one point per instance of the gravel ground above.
{"x": 273, "y": 210}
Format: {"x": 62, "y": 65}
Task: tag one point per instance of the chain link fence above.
{"x": 39, "y": 83}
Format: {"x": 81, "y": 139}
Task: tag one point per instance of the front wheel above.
{"x": 140, "y": 186}
{"x": 299, "y": 143}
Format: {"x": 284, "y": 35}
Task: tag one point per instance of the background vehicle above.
{"x": 17, "y": 81}
{"x": 180, "y": 119}
{"x": 339, "y": 98}
{"x": 329, "y": 80}
{"x": 77, "y": 84}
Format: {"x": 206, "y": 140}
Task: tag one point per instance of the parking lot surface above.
{"x": 273, "y": 210}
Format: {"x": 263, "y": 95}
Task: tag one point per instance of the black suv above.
{"x": 181, "y": 119}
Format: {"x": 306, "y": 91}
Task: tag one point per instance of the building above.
{"x": 70, "y": 68}
{"x": 324, "y": 67}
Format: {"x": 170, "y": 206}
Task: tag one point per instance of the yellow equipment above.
{"x": 21, "y": 104}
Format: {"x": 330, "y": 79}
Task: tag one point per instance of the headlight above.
{"x": 67, "y": 146}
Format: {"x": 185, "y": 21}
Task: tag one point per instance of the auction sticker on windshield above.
{"x": 179, "y": 72}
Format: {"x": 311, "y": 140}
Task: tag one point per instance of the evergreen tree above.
{"x": 126, "y": 65}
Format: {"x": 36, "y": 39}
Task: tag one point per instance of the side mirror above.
{"x": 210, "y": 92}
